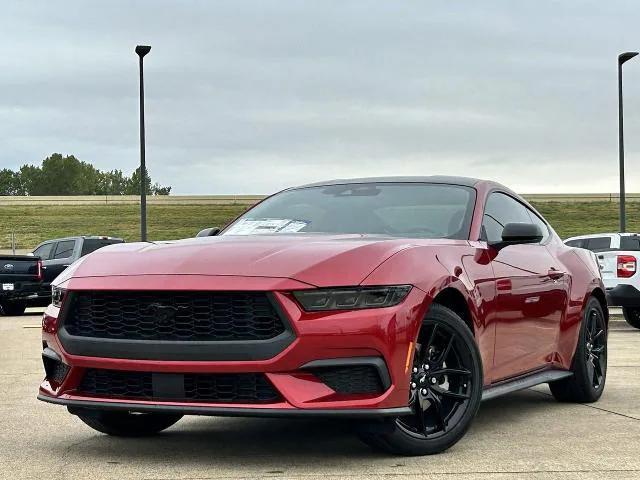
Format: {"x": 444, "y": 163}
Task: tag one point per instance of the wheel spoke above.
{"x": 432, "y": 337}
{"x": 446, "y": 350}
{"x": 590, "y": 370}
{"x": 451, "y": 371}
{"x": 590, "y": 327}
{"x": 597, "y": 367}
{"x": 597, "y": 350}
{"x": 598, "y": 335}
{"x": 439, "y": 414}
{"x": 420, "y": 423}
{"x": 449, "y": 393}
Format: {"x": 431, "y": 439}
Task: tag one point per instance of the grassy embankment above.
{"x": 33, "y": 224}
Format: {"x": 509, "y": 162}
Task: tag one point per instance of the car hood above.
{"x": 319, "y": 260}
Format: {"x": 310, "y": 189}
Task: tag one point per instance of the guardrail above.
{"x": 251, "y": 199}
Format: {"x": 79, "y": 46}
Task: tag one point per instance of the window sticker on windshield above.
{"x": 266, "y": 225}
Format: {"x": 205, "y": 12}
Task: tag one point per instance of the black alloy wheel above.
{"x": 589, "y": 366}
{"x": 445, "y": 389}
{"x": 441, "y": 382}
{"x": 596, "y": 347}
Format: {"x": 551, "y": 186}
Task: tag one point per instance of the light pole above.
{"x": 142, "y": 50}
{"x": 623, "y": 57}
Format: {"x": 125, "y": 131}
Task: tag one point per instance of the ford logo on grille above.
{"x": 8, "y": 266}
{"x": 164, "y": 314}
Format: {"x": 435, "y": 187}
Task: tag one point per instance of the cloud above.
{"x": 253, "y": 96}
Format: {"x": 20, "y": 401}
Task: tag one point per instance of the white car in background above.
{"x": 617, "y": 254}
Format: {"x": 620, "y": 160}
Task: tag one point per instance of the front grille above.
{"x": 351, "y": 379}
{"x": 169, "y": 315}
{"x": 193, "y": 387}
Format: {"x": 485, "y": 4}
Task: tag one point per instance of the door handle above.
{"x": 555, "y": 274}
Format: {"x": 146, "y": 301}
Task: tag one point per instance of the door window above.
{"x": 64, "y": 249}
{"x": 500, "y": 210}
{"x": 44, "y": 251}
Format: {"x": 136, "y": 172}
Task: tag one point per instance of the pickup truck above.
{"x": 20, "y": 282}
{"x": 618, "y": 255}
{"x": 59, "y": 253}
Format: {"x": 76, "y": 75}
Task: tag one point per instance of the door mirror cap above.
{"x": 518, "y": 234}
{"x": 208, "y": 232}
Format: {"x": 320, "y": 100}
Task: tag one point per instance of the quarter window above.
{"x": 536, "y": 220}
{"x": 500, "y": 210}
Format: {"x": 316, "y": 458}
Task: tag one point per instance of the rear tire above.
{"x": 632, "y": 316}
{"x": 446, "y": 389}
{"x": 589, "y": 364}
{"x": 126, "y": 424}
{"x": 13, "y": 309}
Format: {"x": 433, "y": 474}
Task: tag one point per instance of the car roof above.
{"x": 444, "y": 179}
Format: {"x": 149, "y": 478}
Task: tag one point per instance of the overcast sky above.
{"x": 254, "y": 96}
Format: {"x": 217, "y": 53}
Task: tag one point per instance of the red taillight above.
{"x": 39, "y": 275}
{"x": 627, "y": 265}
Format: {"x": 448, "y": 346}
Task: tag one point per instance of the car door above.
{"x": 61, "y": 258}
{"x": 530, "y": 290}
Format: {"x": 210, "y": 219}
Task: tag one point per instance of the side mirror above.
{"x": 208, "y": 232}
{"x": 517, "y": 234}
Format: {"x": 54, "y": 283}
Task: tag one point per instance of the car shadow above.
{"x": 264, "y": 444}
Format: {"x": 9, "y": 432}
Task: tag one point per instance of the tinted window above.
{"x": 598, "y": 244}
{"x": 536, "y": 220}
{"x": 44, "y": 251}
{"x": 630, "y": 243}
{"x": 395, "y": 209}
{"x": 64, "y": 249}
{"x": 92, "y": 244}
{"x": 575, "y": 243}
{"x": 500, "y": 210}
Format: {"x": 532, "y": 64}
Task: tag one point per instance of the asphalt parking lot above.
{"x": 524, "y": 435}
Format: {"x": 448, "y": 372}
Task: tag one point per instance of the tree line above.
{"x": 66, "y": 175}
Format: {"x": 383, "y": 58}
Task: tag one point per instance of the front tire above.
{"x": 632, "y": 316}
{"x": 126, "y": 424}
{"x": 445, "y": 390}
{"x": 589, "y": 364}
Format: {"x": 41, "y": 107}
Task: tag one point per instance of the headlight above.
{"x": 351, "y": 298}
{"x": 57, "y": 294}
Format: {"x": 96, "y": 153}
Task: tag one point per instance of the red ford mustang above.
{"x": 401, "y": 302}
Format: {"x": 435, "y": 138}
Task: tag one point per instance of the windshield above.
{"x": 419, "y": 210}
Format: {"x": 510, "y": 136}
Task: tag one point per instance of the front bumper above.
{"x": 385, "y": 335}
{"x": 623, "y": 295}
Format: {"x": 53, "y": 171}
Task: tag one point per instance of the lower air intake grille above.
{"x": 55, "y": 371}
{"x": 216, "y": 388}
{"x": 350, "y": 379}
